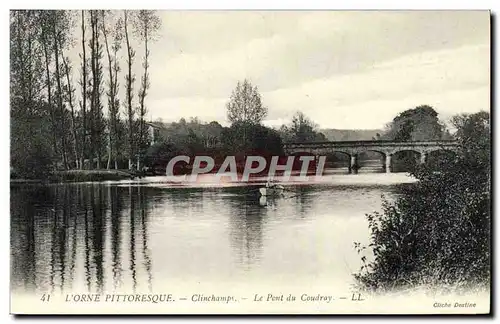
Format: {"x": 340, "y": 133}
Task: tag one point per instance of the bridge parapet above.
{"x": 356, "y": 147}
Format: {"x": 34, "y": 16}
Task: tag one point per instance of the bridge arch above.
{"x": 297, "y": 163}
{"x": 405, "y": 160}
{"x": 388, "y": 148}
{"x": 337, "y": 160}
{"x": 440, "y": 157}
{"x": 371, "y": 159}
{"x": 412, "y": 150}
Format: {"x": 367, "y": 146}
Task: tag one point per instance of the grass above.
{"x": 92, "y": 175}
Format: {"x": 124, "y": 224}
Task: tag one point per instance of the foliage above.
{"x": 112, "y": 32}
{"x": 184, "y": 133}
{"x": 44, "y": 96}
{"x": 97, "y": 124}
{"x": 159, "y": 154}
{"x": 194, "y": 137}
{"x": 129, "y": 89}
{"x": 246, "y": 137}
{"x": 245, "y": 104}
{"x": 30, "y": 150}
{"x": 418, "y": 124}
{"x": 437, "y": 231}
{"x": 146, "y": 25}
{"x": 301, "y": 129}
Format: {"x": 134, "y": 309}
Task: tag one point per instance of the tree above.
{"x": 115, "y": 29}
{"x": 147, "y": 25}
{"x": 418, "y": 124}
{"x": 31, "y": 134}
{"x": 39, "y": 117}
{"x": 97, "y": 124}
{"x": 70, "y": 90}
{"x": 26, "y": 67}
{"x": 129, "y": 86}
{"x": 245, "y": 104}
{"x": 52, "y": 118}
{"x": 45, "y": 38}
{"x": 212, "y": 134}
{"x": 301, "y": 129}
{"x": 84, "y": 72}
{"x": 159, "y": 154}
{"x": 250, "y": 138}
{"x": 60, "y": 28}
{"x": 473, "y": 134}
{"x": 437, "y": 231}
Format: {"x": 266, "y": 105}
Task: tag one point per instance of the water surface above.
{"x": 137, "y": 235}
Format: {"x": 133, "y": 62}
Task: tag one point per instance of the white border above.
{"x": 187, "y": 5}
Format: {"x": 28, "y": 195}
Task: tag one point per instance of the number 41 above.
{"x": 45, "y": 297}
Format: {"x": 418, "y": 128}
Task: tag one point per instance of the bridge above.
{"x": 386, "y": 148}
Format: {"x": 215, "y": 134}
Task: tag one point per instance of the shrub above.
{"x": 437, "y": 231}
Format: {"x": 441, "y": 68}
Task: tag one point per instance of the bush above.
{"x": 437, "y": 231}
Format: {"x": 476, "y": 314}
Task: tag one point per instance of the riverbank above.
{"x": 82, "y": 176}
{"x": 124, "y": 177}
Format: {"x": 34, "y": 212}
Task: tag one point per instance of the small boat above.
{"x": 271, "y": 190}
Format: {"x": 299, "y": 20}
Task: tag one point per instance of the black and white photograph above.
{"x": 250, "y": 162}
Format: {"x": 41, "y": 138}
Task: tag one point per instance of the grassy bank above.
{"x": 81, "y": 176}
{"x": 92, "y": 175}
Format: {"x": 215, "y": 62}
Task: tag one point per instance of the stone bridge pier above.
{"x": 354, "y": 166}
{"x": 354, "y": 148}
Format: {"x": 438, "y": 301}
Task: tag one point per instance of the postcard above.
{"x": 250, "y": 162}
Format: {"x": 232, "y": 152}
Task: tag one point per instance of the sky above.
{"x": 343, "y": 69}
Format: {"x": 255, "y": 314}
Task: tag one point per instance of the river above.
{"x": 141, "y": 235}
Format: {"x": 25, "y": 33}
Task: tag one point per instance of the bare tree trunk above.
{"x": 98, "y": 93}
{"x": 84, "y": 94}
{"x": 59, "y": 89}
{"x": 130, "y": 56}
{"x": 72, "y": 107}
{"x": 49, "y": 94}
{"x": 143, "y": 95}
{"x": 93, "y": 92}
{"x": 111, "y": 99}
{"x": 116, "y": 119}
{"x": 20, "y": 23}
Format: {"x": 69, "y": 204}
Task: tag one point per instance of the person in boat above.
{"x": 271, "y": 189}
{"x": 271, "y": 185}
{"x": 268, "y": 183}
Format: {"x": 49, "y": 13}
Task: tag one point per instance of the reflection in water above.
{"x": 143, "y": 208}
{"x": 103, "y": 238}
{"x": 246, "y": 217}
{"x": 132, "y": 240}
{"x": 59, "y": 233}
{"x": 114, "y": 230}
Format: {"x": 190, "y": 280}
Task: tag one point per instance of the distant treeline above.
{"x": 68, "y": 114}
{"x": 248, "y": 138}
